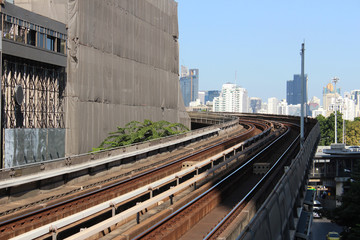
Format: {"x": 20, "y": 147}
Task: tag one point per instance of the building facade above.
{"x": 232, "y": 99}
{"x": 32, "y": 87}
{"x": 190, "y": 86}
{"x": 122, "y": 65}
{"x": 283, "y": 108}
{"x": 211, "y": 94}
{"x": 293, "y": 90}
{"x": 201, "y": 96}
{"x": 272, "y": 106}
{"x": 330, "y": 98}
{"x": 355, "y": 96}
{"x": 255, "y": 104}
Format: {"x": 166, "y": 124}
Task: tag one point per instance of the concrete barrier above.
{"x": 275, "y": 218}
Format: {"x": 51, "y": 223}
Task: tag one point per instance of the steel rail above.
{"x": 138, "y": 192}
{"x": 118, "y": 183}
{"x": 236, "y": 207}
{"x": 147, "y": 231}
{"x": 131, "y": 178}
{"x": 71, "y": 169}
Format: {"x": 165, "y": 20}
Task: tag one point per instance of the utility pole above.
{"x": 335, "y": 80}
{"x": 344, "y": 142}
{"x": 2, "y": 164}
{"x": 303, "y": 88}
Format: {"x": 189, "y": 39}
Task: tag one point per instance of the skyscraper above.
{"x": 255, "y": 104}
{"x": 232, "y": 99}
{"x": 184, "y": 71}
{"x": 211, "y": 94}
{"x": 293, "y": 90}
{"x": 189, "y": 85}
{"x": 272, "y": 107}
{"x": 201, "y": 96}
{"x": 355, "y": 95}
{"x": 330, "y": 98}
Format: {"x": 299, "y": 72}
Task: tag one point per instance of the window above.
{"x": 9, "y": 29}
{"x": 40, "y": 40}
{"x": 50, "y": 43}
{"x": 60, "y": 45}
{"x": 20, "y": 34}
{"x": 30, "y": 37}
{"x": 28, "y": 33}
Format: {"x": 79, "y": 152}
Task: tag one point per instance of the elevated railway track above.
{"x": 208, "y": 215}
{"x": 65, "y": 207}
{"x": 134, "y": 206}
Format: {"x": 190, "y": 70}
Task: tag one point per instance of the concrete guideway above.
{"x": 11, "y": 182}
{"x": 277, "y": 215}
{"x": 138, "y": 192}
{"x": 167, "y": 184}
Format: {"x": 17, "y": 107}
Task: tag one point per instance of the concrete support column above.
{"x": 339, "y": 190}
{"x": 337, "y": 167}
{"x": 286, "y": 233}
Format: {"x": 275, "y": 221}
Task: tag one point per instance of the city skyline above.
{"x": 260, "y": 44}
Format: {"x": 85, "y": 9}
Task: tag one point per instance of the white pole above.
{"x": 344, "y": 130}
{"x": 302, "y": 138}
{"x": 1, "y": 130}
{"x": 335, "y": 80}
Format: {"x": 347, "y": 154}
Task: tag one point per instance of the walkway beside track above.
{"x": 11, "y": 182}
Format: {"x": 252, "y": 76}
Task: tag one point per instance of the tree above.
{"x": 348, "y": 214}
{"x": 135, "y": 132}
{"x": 353, "y": 132}
{"x": 327, "y": 129}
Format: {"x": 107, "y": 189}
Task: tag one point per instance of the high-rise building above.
{"x": 190, "y": 86}
{"x": 272, "y": 107}
{"x": 347, "y": 107}
{"x": 255, "y": 104}
{"x": 314, "y": 104}
{"x": 184, "y": 71}
{"x": 317, "y": 112}
{"x": 330, "y": 98}
{"x": 294, "y": 110}
{"x": 232, "y": 99}
{"x": 209, "y": 96}
{"x": 293, "y": 90}
{"x": 201, "y": 95}
{"x": 283, "y": 108}
{"x": 355, "y": 95}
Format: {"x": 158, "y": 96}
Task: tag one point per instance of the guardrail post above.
{"x": 171, "y": 199}
{"x": 53, "y": 231}
{"x": 113, "y": 208}
{"x": 138, "y": 218}
{"x": 151, "y": 192}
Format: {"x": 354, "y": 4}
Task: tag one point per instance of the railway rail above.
{"x": 187, "y": 217}
{"x": 12, "y": 227}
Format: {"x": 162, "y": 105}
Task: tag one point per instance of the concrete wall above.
{"x": 123, "y": 65}
{"x": 31, "y": 145}
{"x": 275, "y": 218}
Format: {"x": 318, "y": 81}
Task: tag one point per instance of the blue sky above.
{"x": 261, "y": 41}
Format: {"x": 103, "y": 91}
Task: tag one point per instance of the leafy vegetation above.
{"x": 348, "y": 214}
{"x": 135, "y": 132}
{"x": 327, "y": 129}
{"x": 353, "y": 132}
